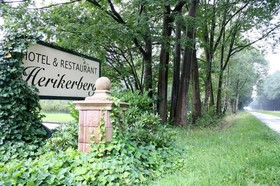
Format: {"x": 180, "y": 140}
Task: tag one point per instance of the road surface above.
{"x": 271, "y": 121}
{"x": 52, "y": 125}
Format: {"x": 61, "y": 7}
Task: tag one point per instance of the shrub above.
{"x": 140, "y": 153}
{"x": 140, "y": 100}
{"x": 20, "y": 118}
{"x": 142, "y": 125}
{"x": 64, "y": 137}
{"x": 73, "y": 112}
{"x": 208, "y": 119}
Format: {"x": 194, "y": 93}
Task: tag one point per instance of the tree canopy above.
{"x": 189, "y": 55}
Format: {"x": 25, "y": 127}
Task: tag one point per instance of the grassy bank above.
{"x": 57, "y": 117}
{"x": 244, "y": 152}
{"x": 272, "y": 113}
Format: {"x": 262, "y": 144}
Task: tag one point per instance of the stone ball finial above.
{"x": 103, "y": 83}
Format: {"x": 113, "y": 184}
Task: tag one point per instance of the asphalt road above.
{"x": 52, "y": 125}
{"x": 271, "y": 121}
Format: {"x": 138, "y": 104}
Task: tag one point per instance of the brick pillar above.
{"x": 92, "y": 111}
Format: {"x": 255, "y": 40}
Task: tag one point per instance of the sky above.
{"x": 274, "y": 61}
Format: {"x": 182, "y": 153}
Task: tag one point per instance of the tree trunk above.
{"x": 233, "y": 106}
{"x": 163, "y": 66}
{"x": 176, "y": 71}
{"x": 209, "y": 34}
{"x": 196, "y": 102}
{"x": 209, "y": 94}
{"x": 219, "y": 94}
{"x": 220, "y": 80}
{"x": 147, "y": 56}
{"x": 236, "y": 102}
{"x": 226, "y": 101}
{"x": 184, "y": 88}
{"x": 148, "y": 72}
{"x": 186, "y": 70}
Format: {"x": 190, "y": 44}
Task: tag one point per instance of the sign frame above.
{"x": 72, "y": 53}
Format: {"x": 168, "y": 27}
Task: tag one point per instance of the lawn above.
{"x": 244, "y": 152}
{"x": 57, "y": 117}
{"x": 272, "y": 113}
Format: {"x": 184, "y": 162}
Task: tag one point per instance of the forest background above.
{"x": 192, "y": 57}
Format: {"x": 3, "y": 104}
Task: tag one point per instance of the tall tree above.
{"x": 176, "y": 67}
{"x": 241, "y": 83}
{"x": 134, "y": 37}
{"x": 164, "y": 61}
{"x": 196, "y": 102}
{"x": 105, "y": 29}
{"x": 232, "y": 17}
{"x": 189, "y": 52}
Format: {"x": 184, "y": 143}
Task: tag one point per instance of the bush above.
{"x": 20, "y": 118}
{"x": 142, "y": 124}
{"x": 208, "y": 119}
{"x": 140, "y": 153}
{"x": 136, "y": 99}
{"x": 64, "y": 137}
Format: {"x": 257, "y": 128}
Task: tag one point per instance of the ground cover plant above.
{"x": 241, "y": 152}
{"x": 131, "y": 159}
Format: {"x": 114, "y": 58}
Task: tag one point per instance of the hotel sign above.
{"x": 59, "y": 73}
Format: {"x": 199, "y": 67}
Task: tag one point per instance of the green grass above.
{"x": 245, "y": 152}
{"x": 272, "y": 113}
{"x": 57, "y": 117}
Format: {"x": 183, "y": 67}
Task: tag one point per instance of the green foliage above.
{"x": 254, "y": 68}
{"x": 136, "y": 99}
{"x": 60, "y": 106}
{"x": 128, "y": 160}
{"x": 268, "y": 94}
{"x": 20, "y": 118}
{"x": 72, "y": 168}
{"x": 142, "y": 125}
{"x": 64, "y": 137}
{"x": 19, "y": 151}
{"x": 245, "y": 152}
{"x": 73, "y": 112}
{"x": 272, "y": 113}
{"x": 208, "y": 119}
{"x": 149, "y": 129}
{"x": 124, "y": 161}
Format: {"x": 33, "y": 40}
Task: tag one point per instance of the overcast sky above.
{"x": 274, "y": 60}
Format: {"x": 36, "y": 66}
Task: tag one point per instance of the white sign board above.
{"x": 58, "y": 73}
